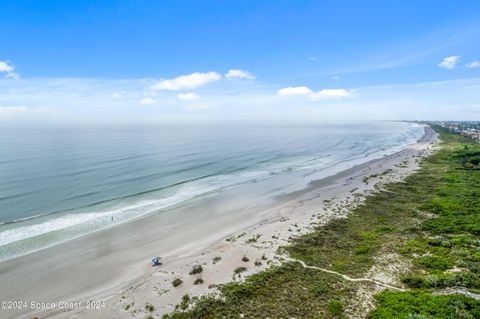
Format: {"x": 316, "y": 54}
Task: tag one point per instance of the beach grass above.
{"x": 431, "y": 221}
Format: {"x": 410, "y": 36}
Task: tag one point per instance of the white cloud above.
{"x": 147, "y": 101}
{"x": 189, "y": 81}
{"x": 294, "y": 90}
{"x": 6, "y": 67}
{"x": 322, "y": 94}
{"x": 473, "y": 64}
{"x": 313, "y": 58}
{"x": 239, "y": 74}
{"x": 449, "y": 62}
{"x": 188, "y": 96}
{"x": 331, "y": 94}
{"x": 336, "y": 78}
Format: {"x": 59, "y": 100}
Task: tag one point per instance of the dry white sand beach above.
{"x": 112, "y": 267}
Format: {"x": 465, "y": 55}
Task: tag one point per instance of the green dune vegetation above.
{"x": 426, "y": 228}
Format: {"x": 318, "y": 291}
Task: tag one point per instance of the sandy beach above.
{"x": 112, "y": 269}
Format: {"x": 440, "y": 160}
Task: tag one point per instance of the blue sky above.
{"x": 325, "y": 60}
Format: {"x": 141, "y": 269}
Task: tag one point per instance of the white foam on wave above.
{"x": 24, "y": 232}
{"x": 93, "y": 221}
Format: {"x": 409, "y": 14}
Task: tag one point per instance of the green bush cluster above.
{"x": 443, "y": 280}
{"x": 399, "y": 305}
{"x": 177, "y": 282}
{"x": 240, "y": 270}
{"x": 287, "y": 291}
{"x": 197, "y": 269}
{"x": 198, "y": 281}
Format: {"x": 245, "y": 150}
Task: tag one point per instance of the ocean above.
{"x": 58, "y": 183}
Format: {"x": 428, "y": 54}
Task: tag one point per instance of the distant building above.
{"x": 468, "y": 129}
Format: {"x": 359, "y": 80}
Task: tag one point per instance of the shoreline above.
{"x": 317, "y": 203}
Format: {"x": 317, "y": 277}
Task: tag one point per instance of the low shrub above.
{"x": 177, "y": 282}
{"x": 196, "y": 270}
{"x": 335, "y": 307}
{"x": 240, "y": 270}
{"x": 149, "y": 307}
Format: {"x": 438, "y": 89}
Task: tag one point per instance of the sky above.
{"x": 166, "y": 61}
